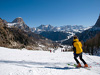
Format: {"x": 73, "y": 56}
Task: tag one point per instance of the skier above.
{"x": 77, "y": 49}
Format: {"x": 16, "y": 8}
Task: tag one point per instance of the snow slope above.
{"x": 27, "y": 62}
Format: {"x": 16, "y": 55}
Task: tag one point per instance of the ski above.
{"x": 74, "y": 65}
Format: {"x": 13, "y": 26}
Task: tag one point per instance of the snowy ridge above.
{"x": 66, "y": 28}
{"x": 24, "y": 62}
{"x": 71, "y": 35}
{"x": 11, "y": 24}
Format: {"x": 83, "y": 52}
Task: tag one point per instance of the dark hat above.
{"x": 75, "y": 37}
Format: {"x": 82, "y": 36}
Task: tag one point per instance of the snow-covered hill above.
{"x": 25, "y": 62}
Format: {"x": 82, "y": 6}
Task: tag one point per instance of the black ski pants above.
{"x": 80, "y": 56}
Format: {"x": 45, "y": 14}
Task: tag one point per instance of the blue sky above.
{"x": 54, "y": 12}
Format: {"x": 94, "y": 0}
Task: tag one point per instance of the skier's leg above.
{"x": 75, "y": 57}
{"x": 80, "y": 56}
{"x": 85, "y": 64}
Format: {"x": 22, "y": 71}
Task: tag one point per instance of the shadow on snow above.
{"x": 60, "y": 68}
{"x": 29, "y": 64}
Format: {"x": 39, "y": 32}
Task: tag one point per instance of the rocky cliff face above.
{"x": 18, "y": 20}
{"x": 17, "y": 38}
{"x": 97, "y": 24}
{"x": 19, "y": 23}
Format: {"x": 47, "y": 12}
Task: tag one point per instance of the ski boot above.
{"x": 79, "y": 65}
{"x": 86, "y": 65}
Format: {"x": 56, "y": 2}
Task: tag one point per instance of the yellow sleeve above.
{"x": 74, "y": 44}
{"x": 80, "y": 44}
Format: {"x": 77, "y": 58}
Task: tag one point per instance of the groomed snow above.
{"x": 28, "y": 62}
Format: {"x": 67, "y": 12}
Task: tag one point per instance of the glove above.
{"x": 74, "y": 54}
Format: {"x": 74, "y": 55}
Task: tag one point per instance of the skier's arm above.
{"x": 74, "y": 49}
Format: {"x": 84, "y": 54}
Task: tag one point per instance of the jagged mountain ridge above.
{"x": 66, "y": 28}
{"x": 59, "y": 33}
{"x": 13, "y": 37}
{"x": 19, "y": 23}
{"x": 18, "y": 20}
{"x": 87, "y": 34}
{"x": 97, "y": 24}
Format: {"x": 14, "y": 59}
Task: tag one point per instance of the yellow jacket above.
{"x": 78, "y": 46}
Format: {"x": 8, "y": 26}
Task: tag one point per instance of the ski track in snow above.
{"x": 27, "y": 62}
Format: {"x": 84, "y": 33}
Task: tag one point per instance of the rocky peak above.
{"x": 19, "y": 23}
{"x": 45, "y": 27}
{"x": 97, "y": 24}
{"x": 18, "y": 20}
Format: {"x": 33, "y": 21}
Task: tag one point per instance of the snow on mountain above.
{"x": 68, "y": 37}
{"x": 46, "y": 25}
{"x": 69, "y": 29}
{"x": 19, "y": 23}
{"x": 66, "y": 28}
{"x": 58, "y": 28}
{"x": 88, "y": 28}
{"x": 11, "y": 24}
{"x": 25, "y": 62}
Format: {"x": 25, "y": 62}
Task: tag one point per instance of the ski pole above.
{"x": 91, "y": 59}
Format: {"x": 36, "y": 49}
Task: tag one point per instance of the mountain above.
{"x": 55, "y": 36}
{"x": 87, "y": 34}
{"x": 33, "y": 29}
{"x": 19, "y": 23}
{"x": 92, "y": 45}
{"x": 74, "y": 28}
{"x": 45, "y": 27}
{"x": 59, "y": 33}
{"x": 97, "y": 24}
{"x": 42, "y": 28}
{"x": 66, "y": 28}
{"x": 18, "y": 20}
{"x": 13, "y": 37}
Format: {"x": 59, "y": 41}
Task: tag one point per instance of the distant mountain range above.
{"x": 59, "y": 33}
{"x": 66, "y": 31}
{"x": 66, "y": 28}
{"x": 19, "y": 23}
{"x": 87, "y": 34}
